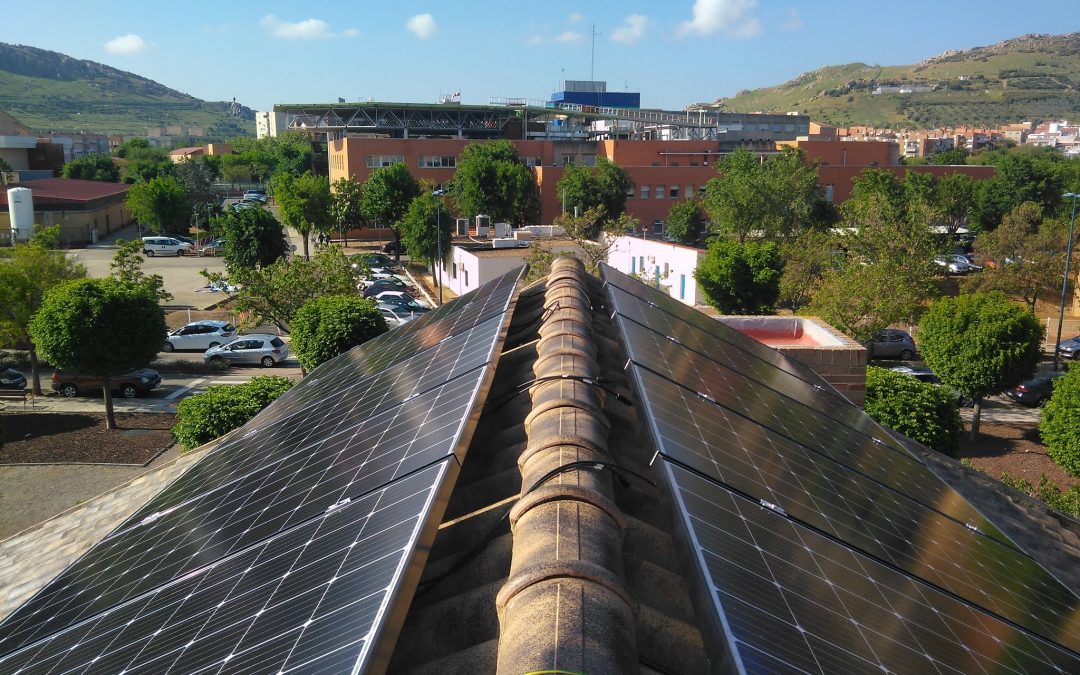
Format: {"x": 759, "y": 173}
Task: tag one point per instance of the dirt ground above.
{"x": 40, "y": 438}
{"x": 1015, "y": 449}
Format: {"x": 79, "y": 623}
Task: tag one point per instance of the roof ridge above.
{"x": 565, "y": 604}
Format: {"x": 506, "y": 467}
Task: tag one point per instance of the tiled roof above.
{"x": 67, "y": 190}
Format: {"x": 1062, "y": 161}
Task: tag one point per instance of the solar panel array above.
{"x": 286, "y": 547}
{"x": 823, "y": 545}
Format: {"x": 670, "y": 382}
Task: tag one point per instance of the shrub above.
{"x": 222, "y": 408}
{"x": 919, "y": 410}
{"x": 1066, "y": 501}
{"x": 1060, "y": 426}
{"x": 333, "y": 324}
{"x": 741, "y": 278}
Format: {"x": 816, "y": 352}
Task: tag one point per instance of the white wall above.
{"x": 468, "y": 270}
{"x": 644, "y": 257}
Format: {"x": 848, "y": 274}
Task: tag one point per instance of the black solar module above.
{"x": 742, "y": 431}
{"x": 383, "y": 415}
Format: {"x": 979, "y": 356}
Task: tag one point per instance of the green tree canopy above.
{"x": 1019, "y": 178}
{"x": 806, "y": 260}
{"x": 252, "y": 238}
{"x": 100, "y": 327}
{"x": 1060, "y": 425}
{"x": 584, "y": 188}
{"x": 92, "y": 167}
{"x": 491, "y": 179}
{"x": 304, "y": 203}
{"x": 161, "y": 204}
{"x": 274, "y": 293}
{"x": 223, "y": 407}
{"x": 142, "y": 162}
{"x": 345, "y": 195}
{"x": 126, "y": 268}
{"x": 741, "y": 278}
{"x": 386, "y": 195}
{"x": 980, "y": 344}
{"x": 27, "y": 271}
{"x": 196, "y": 176}
{"x": 418, "y": 229}
{"x": 925, "y": 412}
{"x": 261, "y": 158}
{"x": 954, "y": 200}
{"x": 333, "y": 324}
{"x": 686, "y": 222}
{"x": 952, "y": 156}
{"x": 579, "y": 230}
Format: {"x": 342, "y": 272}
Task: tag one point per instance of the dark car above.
{"x": 390, "y": 284}
{"x": 926, "y": 375}
{"x": 376, "y": 260}
{"x": 12, "y": 379}
{"x": 1070, "y": 348}
{"x": 892, "y": 343}
{"x": 403, "y": 303}
{"x": 130, "y": 385}
{"x": 393, "y": 247}
{"x": 1034, "y": 391}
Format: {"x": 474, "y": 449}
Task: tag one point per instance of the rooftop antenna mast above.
{"x": 592, "y": 57}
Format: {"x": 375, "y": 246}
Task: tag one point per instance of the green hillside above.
{"x": 1033, "y": 77}
{"x": 48, "y": 91}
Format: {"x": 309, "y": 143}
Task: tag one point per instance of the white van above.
{"x": 153, "y": 246}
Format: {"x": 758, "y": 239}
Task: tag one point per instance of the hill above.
{"x": 1033, "y": 77}
{"x": 49, "y": 91}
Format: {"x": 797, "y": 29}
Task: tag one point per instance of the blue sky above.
{"x": 674, "y": 52}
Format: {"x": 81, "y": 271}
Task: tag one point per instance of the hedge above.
{"x": 1060, "y": 426}
{"x": 222, "y": 408}
{"x": 922, "y": 411}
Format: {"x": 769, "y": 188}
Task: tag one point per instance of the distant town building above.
{"x": 269, "y": 123}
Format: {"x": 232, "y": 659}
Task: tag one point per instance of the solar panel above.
{"x": 747, "y": 432}
{"x": 790, "y": 599}
{"x": 310, "y": 599}
{"x": 305, "y": 457}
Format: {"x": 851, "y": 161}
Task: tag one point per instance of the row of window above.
{"x": 665, "y": 192}
{"x": 637, "y": 268}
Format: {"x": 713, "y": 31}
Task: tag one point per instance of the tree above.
{"x": 737, "y": 201}
{"x": 92, "y": 167}
{"x": 333, "y": 324}
{"x": 196, "y": 177}
{"x": 418, "y": 229}
{"x": 345, "y": 206}
{"x": 221, "y": 408}
{"x": 950, "y": 157}
{"x": 491, "y": 179}
{"x": 1019, "y": 178}
{"x": 304, "y": 203}
{"x": 142, "y": 162}
{"x": 100, "y": 327}
{"x": 980, "y": 344}
{"x": 919, "y": 410}
{"x": 1027, "y": 255}
{"x": 591, "y": 250}
{"x": 954, "y": 200}
{"x": 261, "y": 158}
{"x": 686, "y": 222}
{"x": 798, "y": 200}
{"x": 806, "y": 259}
{"x": 161, "y": 204}
{"x": 860, "y": 300}
{"x": 386, "y": 196}
{"x": 740, "y": 277}
{"x": 584, "y": 188}
{"x": 1060, "y": 425}
{"x": 252, "y": 238}
{"x": 126, "y": 268}
{"x": 274, "y": 293}
{"x": 27, "y": 272}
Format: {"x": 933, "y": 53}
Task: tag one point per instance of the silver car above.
{"x": 264, "y": 350}
{"x": 200, "y": 335}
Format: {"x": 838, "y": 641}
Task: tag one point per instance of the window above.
{"x": 633, "y": 265}
{"x": 763, "y": 127}
{"x": 674, "y": 164}
{"x": 682, "y": 286}
{"x": 641, "y": 263}
{"x": 533, "y": 161}
{"x": 661, "y": 191}
{"x": 567, "y": 160}
{"x": 789, "y": 127}
{"x": 437, "y": 162}
{"x": 829, "y": 189}
{"x": 674, "y": 191}
{"x": 689, "y": 193}
{"x": 644, "y": 191}
{"x": 377, "y": 161}
{"x": 776, "y": 127}
{"x": 667, "y": 271}
{"x": 630, "y": 192}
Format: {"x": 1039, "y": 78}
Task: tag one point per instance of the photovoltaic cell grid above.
{"x": 304, "y": 601}
{"x": 792, "y": 599}
{"x": 281, "y": 476}
{"x": 831, "y": 486}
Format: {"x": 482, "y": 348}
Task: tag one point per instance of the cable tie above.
{"x": 776, "y": 508}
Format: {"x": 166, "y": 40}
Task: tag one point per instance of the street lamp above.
{"x": 1065, "y": 281}
{"x": 438, "y": 233}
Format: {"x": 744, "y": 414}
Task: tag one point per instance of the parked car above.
{"x": 381, "y": 285}
{"x": 403, "y": 300}
{"x": 393, "y": 247}
{"x": 240, "y": 206}
{"x": 257, "y": 196}
{"x": 200, "y": 335}
{"x": 264, "y": 350}
{"x": 1070, "y": 348}
{"x": 1034, "y": 391}
{"x": 376, "y": 261}
{"x": 954, "y": 264}
{"x": 892, "y": 343}
{"x": 131, "y": 384}
{"x": 212, "y": 247}
{"x": 153, "y": 246}
{"x": 12, "y": 379}
{"x": 396, "y": 316}
{"x": 926, "y": 375}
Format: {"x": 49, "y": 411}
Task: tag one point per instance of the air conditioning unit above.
{"x": 462, "y": 227}
{"x": 483, "y": 224}
{"x": 503, "y": 230}
{"x": 507, "y": 242}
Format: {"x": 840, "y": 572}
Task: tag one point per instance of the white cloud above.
{"x": 126, "y": 45}
{"x": 308, "y": 29}
{"x": 631, "y": 30}
{"x": 350, "y": 32}
{"x": 568, "y": 36}
{"x": 794, "y": 21}
{"x": 575, "y": 18}
{"x": 422, "y": 26}
{"x": 732, "y": 17}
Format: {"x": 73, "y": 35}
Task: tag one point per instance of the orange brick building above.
{"x": 663, "y": 171}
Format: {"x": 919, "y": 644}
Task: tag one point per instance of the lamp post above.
{"x": 438, "y": 233}
{"x": 1065, "y": 281}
